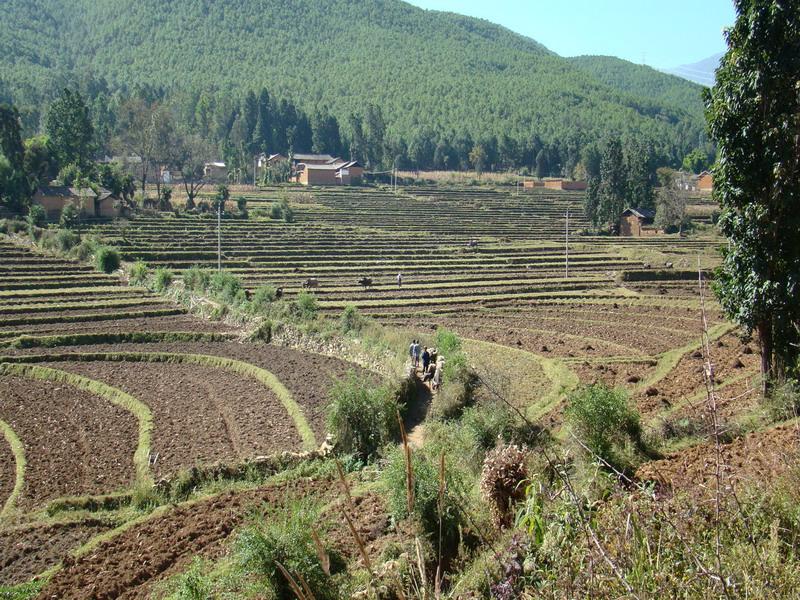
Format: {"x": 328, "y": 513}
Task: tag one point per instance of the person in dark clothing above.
{"x": 426, "y": 359}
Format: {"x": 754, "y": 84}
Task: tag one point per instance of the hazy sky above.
{"x": 660, "y": 33}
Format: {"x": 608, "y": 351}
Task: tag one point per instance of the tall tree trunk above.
{"x": 764, "y": 330}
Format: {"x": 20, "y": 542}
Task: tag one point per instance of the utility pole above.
{"x": 219, "y": 234}
{"x": 255, "y": 168}
{"x": 566, "y": 247}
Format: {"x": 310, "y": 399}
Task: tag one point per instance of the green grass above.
{"x": 114, "y": 395}
{"x": 106, "y": 316}
{"x": 18, "y": 450}
{"x": 137, "y": 337}
{"x": 242, "y": 368}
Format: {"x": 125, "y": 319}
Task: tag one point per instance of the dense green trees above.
{"x": 754, "y": 116}
{"x": 69, "y": 129}
{"x": 264, "y": 71}
{"x": 14, "y": 186}
{"x": 621, "y": 177}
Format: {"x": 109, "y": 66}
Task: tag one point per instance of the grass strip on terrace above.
{"x": 135, "y": 337}
{"x": 103, "y": 289}
{"x": 138, "y": 409}
{"x": 51, "y": 307}
{"x": 18, "y": 450}
{"x": 562, "y": 379}
{"x": 110, "y": 316}
{"x": 436, "y": 301}
{"x": 263, "y": 376}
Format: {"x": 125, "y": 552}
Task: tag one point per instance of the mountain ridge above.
{"x": 428, "y": 70}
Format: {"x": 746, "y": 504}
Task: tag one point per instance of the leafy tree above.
{"x": 753, "y": 113}
{"x": 542, "y": 165}
{"x": 69, "y": 129}
{"x": 14, "y": 186}
{"x": 192, "y": 153}
{"x": 478, "y": 158}
{"x": 696, "y": 161}
{"x": 640, "y": 174}
{"x": 69, "y": 216}
{"x": 325, "y": 134}
{"x": 607, "y": 193}
{"x": 39, "y": 164}
{"x": 670, "y": 210}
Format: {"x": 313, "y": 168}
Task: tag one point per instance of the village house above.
{"x": 565, "y": 185}
{"x": 215, "y": 171}
{"x": 637, "y": 222}
{"x": 265, "y": 160}
{"x": 312, "y": 159}
{"x": 89, "y": 204}
{"x": 336, "y": 173}
{"x": 705, "y": 182}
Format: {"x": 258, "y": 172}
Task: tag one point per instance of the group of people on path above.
{"x": 429, "y": 361}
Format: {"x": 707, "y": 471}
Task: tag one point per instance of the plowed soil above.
{"x": 8, "y": 468}
{"x": 201, "y": 415}
{"x": 307, "y": 376}
{"x": 614, "y": 374}
{"x": 127, "y": 565}
{"x": 687, "y": 379}
{"x": 29, "y": 551}
{"x": 750, "y": 460}
{"x": 75, "y": 443}
{"x": 166, "y": 323}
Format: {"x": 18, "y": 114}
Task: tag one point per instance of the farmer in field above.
{"x": 436, "y": 381}
{"x": 399, "y": 280}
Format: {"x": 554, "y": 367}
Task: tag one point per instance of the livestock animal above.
{"x": 311, "y": 282}
{"x": 366, "y": 282}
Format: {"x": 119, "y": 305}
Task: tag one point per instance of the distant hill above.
{"x": 701, "y": 72}
{"x": 427, "y": 70}
{"x": 644, "y": 81}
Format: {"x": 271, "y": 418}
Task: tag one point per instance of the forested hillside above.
{"x": 439, "y": 79}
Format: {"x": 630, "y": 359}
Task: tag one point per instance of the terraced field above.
{"x": 106, "y": 388}
{"x": 131, "y": 388}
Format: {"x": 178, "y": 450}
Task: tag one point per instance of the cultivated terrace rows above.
{"x": 106, "y": 389}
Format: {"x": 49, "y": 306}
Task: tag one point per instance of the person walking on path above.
{"x": 399, "y": 280}
{"x": 412, "y": 350}
{"x": 416, "y": 353}
{"x": 426, "y": 360}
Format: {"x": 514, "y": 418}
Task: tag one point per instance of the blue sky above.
{"x": 660, "y": 33}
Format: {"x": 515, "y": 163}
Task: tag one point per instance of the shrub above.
{"x": 241, "y": 204}
{"x": 362, "y": 416}
{"x": 263, "y": 296}
{"x": 426, "y": 488}
{"x": 36, "y": 216}
{"x": 106, "y": 260}
{"x": 603, "y": 420}
{"x": 12, "y": 226}
{"x": 351, "y": 320}
{"x": 447, "y": 342}
{"x": 86, "y": 248}
{"x": 69, "y": 216}
{"x": 139, "y": 272}
{"x": 226, "y": 286}
{"x": 307, "y": 306}
{"x": 275, "y": 211}
{"x": 285, "y": 537}
{"x": 262, "y": 333}
{"x": 260, "y": 213}
{"x": 502, "y": 478}
{"x": 162, "y": 279}
{"x": 783, "y": 402}
{"x": 196, "y": 279}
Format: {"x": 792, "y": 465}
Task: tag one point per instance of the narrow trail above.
{"x": 417, "y": 412}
